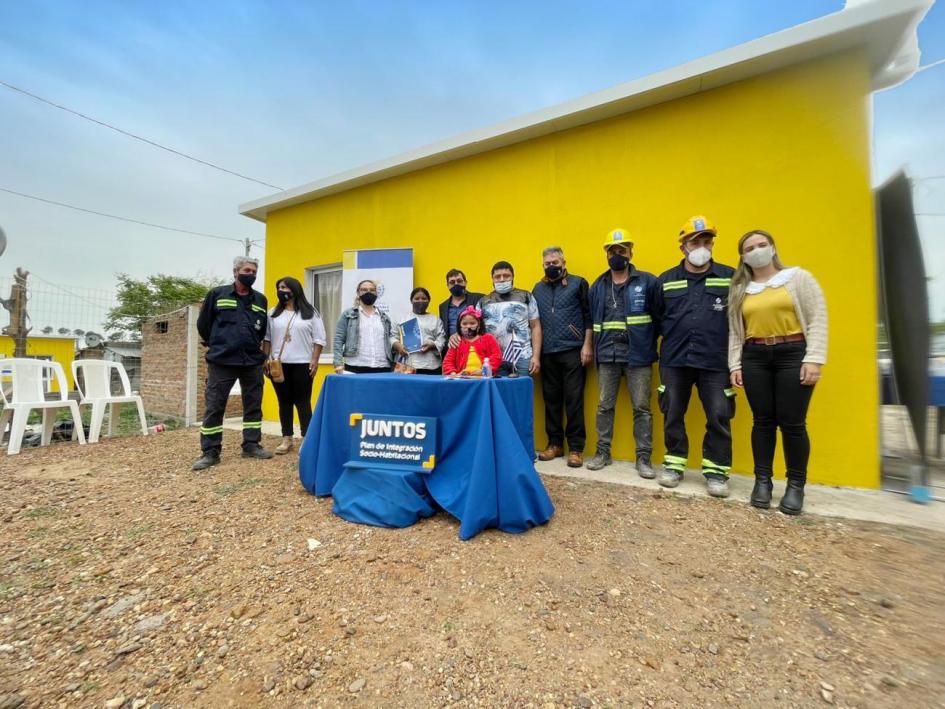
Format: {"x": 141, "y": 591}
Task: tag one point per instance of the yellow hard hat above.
{"x": 698, "y": 224}
{"x": 618, "y": 236}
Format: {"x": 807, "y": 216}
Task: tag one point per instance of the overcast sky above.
{"x": 288, "y": 92}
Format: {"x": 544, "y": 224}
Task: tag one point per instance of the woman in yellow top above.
{"x": 777, "y": 345}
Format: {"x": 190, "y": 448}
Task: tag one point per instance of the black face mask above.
{"x": 618, "y": 262}
{"x": 368, "y": 298}
{"x": 458, "y": 290}
{"x": 247, "y": 279}
{"x": 284, "y": 296}
{"x": 553, "y": 273}
{"x": 420, "y": 306}
{"x": 470, "y": 332}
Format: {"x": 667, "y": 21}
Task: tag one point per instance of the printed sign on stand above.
{"x": 382, "y": 440}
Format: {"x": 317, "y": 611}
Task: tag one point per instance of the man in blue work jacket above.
{"x": 693, "y": 317}
{"x": 622, "y": 301}
{"x": 232, "y": 325}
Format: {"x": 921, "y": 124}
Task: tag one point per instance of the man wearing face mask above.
{"x": 693, "y": 317}
{"x": 511, "y": 316}
{"x": 622, "y": 302}
{"x": 565, "y": 350}
{"x": 459, "y": 299}
{"x": 232, "y": 325}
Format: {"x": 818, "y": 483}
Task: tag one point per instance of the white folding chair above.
{"x": 96, "y": 391}
{"x": 27, "y": 393}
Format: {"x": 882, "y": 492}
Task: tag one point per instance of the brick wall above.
{"x": 165, "y": 363}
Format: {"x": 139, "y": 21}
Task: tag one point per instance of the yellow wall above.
{"x": 61, "y": 349}
{"x": 787, "y": 152}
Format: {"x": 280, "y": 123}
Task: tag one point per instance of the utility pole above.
{"x": 247, "y": 243}
{"x": 16, "y": 304}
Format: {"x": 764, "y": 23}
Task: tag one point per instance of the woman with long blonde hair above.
{"x": 777, "y": 346}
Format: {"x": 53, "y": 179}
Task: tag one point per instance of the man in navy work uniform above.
{"x": 622, "y": 302}
{"x": 565, "y": 318}
{"x": 693, "y": 317}
{"x": 232, "y": 324}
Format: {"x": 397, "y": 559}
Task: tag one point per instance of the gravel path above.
{"x": 129, "y": 581}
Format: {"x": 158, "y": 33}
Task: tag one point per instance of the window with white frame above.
{"x": 323, "y": 289}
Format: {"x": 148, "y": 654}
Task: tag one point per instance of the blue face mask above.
{"x": 503, "y": 287}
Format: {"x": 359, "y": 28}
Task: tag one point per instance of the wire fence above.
{"x": 57, "y": 309}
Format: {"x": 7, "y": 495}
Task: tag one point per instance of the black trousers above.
{"x": 220, "y": 380}
{"x": 772, "y": 378}
{"x": 294, "y": 392}
{"x": 718, "y": 402}
{"x": 562, "y": 387}
{"x": 366, "y": 370}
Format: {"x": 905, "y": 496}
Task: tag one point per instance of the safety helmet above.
{"x": 696, "y": 225}
{"x": 618, "y": 236}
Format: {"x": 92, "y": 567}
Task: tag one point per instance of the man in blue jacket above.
{"x": 232, "y": 325}
{"x": 622, "y": 301}
{"x": 693, "y": 316}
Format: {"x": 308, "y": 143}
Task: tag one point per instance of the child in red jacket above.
{"x": 475, "y": 346}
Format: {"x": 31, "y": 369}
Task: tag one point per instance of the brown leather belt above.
{"x": 776, "y": 340}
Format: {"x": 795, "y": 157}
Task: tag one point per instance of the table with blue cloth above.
{"x": 484, "y": 474}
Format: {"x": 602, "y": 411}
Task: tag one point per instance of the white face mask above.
{"x": 503, "y": 286}
{"x": 699, "y": 257}
{"x": 759, "y": 257}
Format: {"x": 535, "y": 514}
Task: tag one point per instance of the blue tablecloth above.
{"x": 484, "y": 474}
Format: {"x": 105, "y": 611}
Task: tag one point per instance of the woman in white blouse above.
{"x": 295, "y": 337}
{"x": 427, "y": 359}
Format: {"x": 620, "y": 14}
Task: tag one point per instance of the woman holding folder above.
{"x": 421, "y": 338}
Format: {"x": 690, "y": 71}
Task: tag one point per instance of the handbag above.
{"x": 274, "y": 365}
{"x": 401, "y": 366}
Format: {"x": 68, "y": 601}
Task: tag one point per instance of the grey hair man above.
{"x": 565, "y": 315}
{"x": 232, "y": 325}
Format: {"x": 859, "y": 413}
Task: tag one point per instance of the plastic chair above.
{"x": 27, "y": 394}
{"x": 96, "y": 391}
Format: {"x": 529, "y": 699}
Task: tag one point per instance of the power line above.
{"x": 929, "y": 66}
{"x": 122, "y": 219}
{"x": 136, "y": 137}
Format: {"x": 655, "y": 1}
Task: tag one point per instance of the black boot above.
{"x": 761, "y": 492}
{"x": 254, "y": 450}
{"x": 793, "y": 501}
{"x": 210, "y": 457}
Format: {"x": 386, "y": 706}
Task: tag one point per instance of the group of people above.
{"x": 761, "y": 326}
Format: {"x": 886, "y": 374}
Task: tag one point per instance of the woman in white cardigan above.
{"x": 777, "y": 346}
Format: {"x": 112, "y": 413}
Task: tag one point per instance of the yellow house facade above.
{"x": 59, "y": 349}
{"x": 774, "y": 134}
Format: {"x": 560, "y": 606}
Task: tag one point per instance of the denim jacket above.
{"x": 347, "y": 334}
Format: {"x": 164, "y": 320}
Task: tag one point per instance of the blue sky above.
{"x": 292, "y": 91}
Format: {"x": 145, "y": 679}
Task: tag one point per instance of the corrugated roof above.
{"x": 885, "y": 28}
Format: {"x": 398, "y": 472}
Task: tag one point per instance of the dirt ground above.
{"x": 128, "y": 580}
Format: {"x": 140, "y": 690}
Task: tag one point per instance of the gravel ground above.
{"x": 130, "y": 581}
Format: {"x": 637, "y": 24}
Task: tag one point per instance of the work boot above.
{"x": 211, "y": 457}
{"x": 761, "y": 492}
{"x": 254, "y": 450}
{"x": 551, "y": 452}
{"x": 575, "y": 459}
{"x": 285, "y": 446}
{"x": 793, "y": 501}
{"x": 599, "y": 461}
{"x": 717, "y": 486}
{"x": 670, "y": 478}
{"x": 644, "y": 469}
